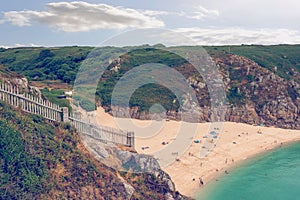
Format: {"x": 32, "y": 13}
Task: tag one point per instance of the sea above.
{"x": 274, "y": 175}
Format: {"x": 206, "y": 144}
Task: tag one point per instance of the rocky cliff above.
{"x": 255, "y": 95}
{"x": 264, "y": 98}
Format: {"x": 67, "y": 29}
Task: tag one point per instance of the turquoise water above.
{"x": 272, "y": 176}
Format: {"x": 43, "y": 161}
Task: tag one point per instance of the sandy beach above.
{"x": 235, "y": 143}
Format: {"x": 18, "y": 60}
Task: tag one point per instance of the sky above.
{"x": 205, "y": 22}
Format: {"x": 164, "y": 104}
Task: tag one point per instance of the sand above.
{"x": 237, "y": 142}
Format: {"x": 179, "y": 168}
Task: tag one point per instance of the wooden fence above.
{"x": 36, "y": 105}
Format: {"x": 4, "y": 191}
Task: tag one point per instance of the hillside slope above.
{"x": 283, "y": 60}
{"x": 262, "y": 83}
{"x": 255, "y": 95}
{"x": 42, "y": 160}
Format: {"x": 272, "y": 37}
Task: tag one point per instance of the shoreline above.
{"x": 236, "y": 144}
{"x": 212, "y": 171}
{"x": 211, "y": 180}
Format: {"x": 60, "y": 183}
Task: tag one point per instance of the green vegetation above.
{"x": 235, "y": 97}
{"x": 39, "y": 160}
{"x": 52, "y": 95}
{"x": 149, "y": 94}
{"x": 286, "y": 58}
{"x": 156, "y": 94}
{"x": 42, "y": 160}
{"x": 45, "y": 63}
{"x": 28, "y": 172}
{"x": 63, "y": 63}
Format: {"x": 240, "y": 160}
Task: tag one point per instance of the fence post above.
{"x": 130, "y": 139}
{"x": 65, "y": 114}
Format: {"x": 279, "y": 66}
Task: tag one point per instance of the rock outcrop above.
{"x": 265, "y": 98}
{"x": 255, "y": 95}
{"x": 18, "y": 80}
{"x": 137, "y": 171}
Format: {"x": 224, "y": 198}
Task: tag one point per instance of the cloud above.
{"x": 2, "y": 21}
{"x": 156, "y": 12}
{"x": 237, "y": 36}
{"x": 19, "y": 45}
{"x": 200, "y": 13}
{"x": 80, "y": 16}
{"x": 24, "y": 18}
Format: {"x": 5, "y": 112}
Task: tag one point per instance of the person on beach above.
{"x": 201, "y": 183}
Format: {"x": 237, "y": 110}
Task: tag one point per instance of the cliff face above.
{"x": 264, "y": 98}
{"x": 141, "y": 174}
{"x": 255, "y": 95}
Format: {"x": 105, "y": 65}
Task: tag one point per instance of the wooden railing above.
{"x": 39, "y": 106}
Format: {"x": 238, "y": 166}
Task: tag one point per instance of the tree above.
{"x": 44, "y": 54}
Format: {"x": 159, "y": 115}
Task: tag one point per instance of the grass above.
{"x": 52, "y": 95}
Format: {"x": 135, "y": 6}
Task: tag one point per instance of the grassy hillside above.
{"x": 145, "y": 96}
{"x": 283, "y": 60}
{"x": 40, "y": 160}
{"x": 45, "y": 63}
{"x": 46, "y": 161}
{"x": 52, "y": 95}
{"x": 62, "y": 64}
